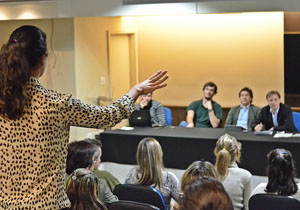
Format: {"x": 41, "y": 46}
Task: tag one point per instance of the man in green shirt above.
{"x": 205, "y": 113}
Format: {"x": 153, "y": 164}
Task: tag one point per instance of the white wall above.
{"x": 86, "y": 8}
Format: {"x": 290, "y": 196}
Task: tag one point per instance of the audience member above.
{"x": 236, "y": 181}
{"x": 275, "y": 116}
{"x": 205, "y": 194}
{"x": 205, "y": 113}
{"x": 244, "y": 114}
{"x": 196, "y": 171}
{"x": 35, "y": 123}
{"x": 82, "y": 190}
{"x": 155, "y": 108}
{"x": 150, "y": 170}
{"x": 281, "y": 175}
{"x": 108, "y": 177}
{"x": 82, "y": 154}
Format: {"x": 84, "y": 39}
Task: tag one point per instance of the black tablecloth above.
{"x": 182, "y": 146}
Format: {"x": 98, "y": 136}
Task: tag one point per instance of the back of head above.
{"x": 227, "y": 150}
{"x": 205, "y": 194}
{"x": 95, "y": 142}
{"x": 150, "y": 164}
{"x": 18, "y": 57}
{"x": 281, "y": 173}
{"x": 80, "y": 155}
{"x": 82, "y": 189}
{"x": 196, "y": 171}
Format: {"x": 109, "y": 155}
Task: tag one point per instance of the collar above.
{"x": 34, "y": 81}
{"x": 276, "y": 110}
{"x": 233, "y": 165}
{"x": 201, "y": 102}
{"x": 247, "y": 107}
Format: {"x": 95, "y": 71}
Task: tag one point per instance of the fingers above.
{"x": 153, "y": 88}
{"x": 159, "y": 81}
{"x": 158, "y": 75}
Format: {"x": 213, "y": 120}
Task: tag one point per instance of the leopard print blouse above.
{"x": 33, "y": 149}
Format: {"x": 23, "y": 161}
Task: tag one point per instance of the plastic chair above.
{"x": 296, "y": 118}
{"x": 168, "y": 114}
{"x": 140, "y": 193}
{"x": 131, "y": 205}
{"x": 273, "y": 202}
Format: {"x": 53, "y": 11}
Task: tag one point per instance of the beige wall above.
{"x": 233, "y": 50}
{"x": 91, "y": 59}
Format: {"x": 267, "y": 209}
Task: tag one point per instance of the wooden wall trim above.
{"x": 179, "y": 113}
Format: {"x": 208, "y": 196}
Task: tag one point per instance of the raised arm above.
{"x": 214, "y": 121}
{"x": 149, "y": 85}
{"x": 81, "y": 114}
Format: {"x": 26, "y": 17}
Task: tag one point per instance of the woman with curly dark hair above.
{"x": 281, "y": 175}
{"x": 35, "y": 123}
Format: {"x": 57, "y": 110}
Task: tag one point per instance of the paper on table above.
{"x": 126, "y": 128}
{"x": 283, "y": 135}
{"x": 263, "y": 133}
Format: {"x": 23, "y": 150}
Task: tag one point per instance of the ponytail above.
{"x": 14, "y": 74}
{"x": 226, "y": 151}
{"x": 223, "y": 161}
{"x": 18, "y": 57}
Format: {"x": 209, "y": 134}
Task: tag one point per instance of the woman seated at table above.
{"x": 196, "y": 171}
{"x": 150, "y": 170}
{"x": 236, "y": 181}
{"x": 281, "y": 175}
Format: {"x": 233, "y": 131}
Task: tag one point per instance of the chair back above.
{"x": 273, "y": 202}
{"x": 140, "y": 193}
{"x": 296, "y": 118}
{"x": 131, "y": 205}
{"x": 168, "y": 114}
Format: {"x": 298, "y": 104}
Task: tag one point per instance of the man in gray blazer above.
{"x": 244, "y": 114}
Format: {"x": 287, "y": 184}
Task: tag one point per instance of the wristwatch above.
{"x": 209, "y": 110}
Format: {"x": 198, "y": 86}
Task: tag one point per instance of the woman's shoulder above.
{"x": 169, "y": 176}
{"x": 240, "y": 172}
{"x": 44, "y": 96}
{"x": 260, "y": 188}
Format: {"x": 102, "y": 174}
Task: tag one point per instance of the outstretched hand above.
{"x": 149, "y": 85}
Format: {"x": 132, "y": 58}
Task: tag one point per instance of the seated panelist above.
{"x": 155, "y": 108}
{"x": 205, "y": 113}
{"x": 245, "y": 114}
{"x": 275, "y": 116}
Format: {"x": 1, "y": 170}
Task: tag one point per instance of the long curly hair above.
{"x": 281, "y": 173}
{"x": 18, "y": 57}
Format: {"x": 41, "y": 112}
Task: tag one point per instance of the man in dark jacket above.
{"x": 275, "y": 116}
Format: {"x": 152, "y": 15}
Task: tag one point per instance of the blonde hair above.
{"x": 196, "y": 171}
{"x": 82, "y": 189}
{"x": 226, "y": 151}
{"x": 150, "y": 164}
